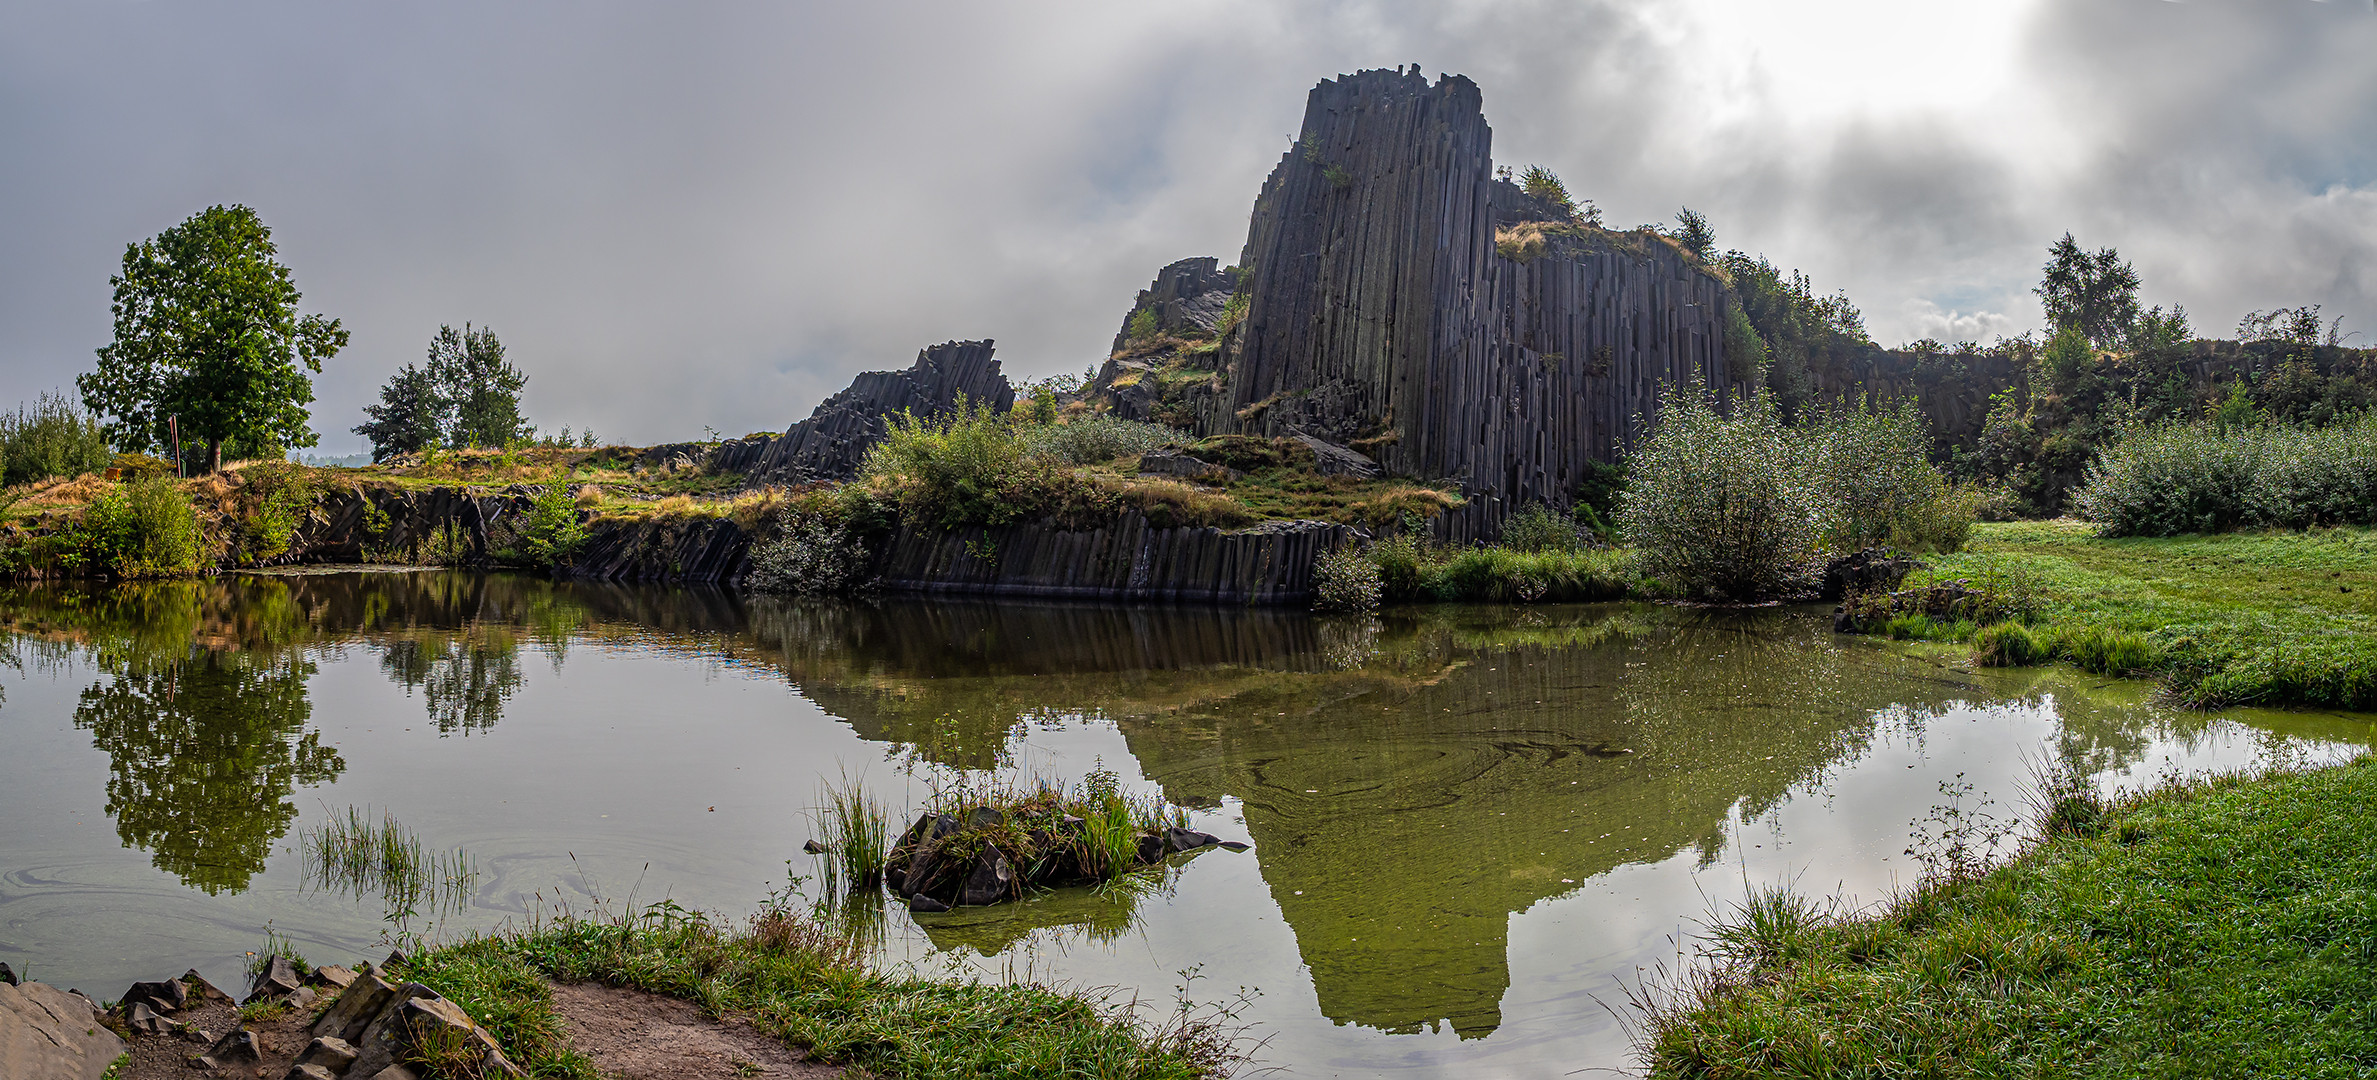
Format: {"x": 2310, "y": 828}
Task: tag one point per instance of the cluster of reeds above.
{"x": 351, "y": 853}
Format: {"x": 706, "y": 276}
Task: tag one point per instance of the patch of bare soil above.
{"x": 166, "y": 1057}
{"x": 633, "y": 1035}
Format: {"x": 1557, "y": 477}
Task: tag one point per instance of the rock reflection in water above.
{"x": 1410, "y": 781}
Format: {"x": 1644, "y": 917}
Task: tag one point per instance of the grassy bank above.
{"x": 2274, "y": 618}
{"x": 2213, "y": 928}
{"x": 795, "y": 980}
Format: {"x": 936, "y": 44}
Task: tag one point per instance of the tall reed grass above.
{"x": 351, "y": 853}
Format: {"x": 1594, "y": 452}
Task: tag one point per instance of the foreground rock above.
{"x": 51, "y": 1034}
{"x": 374, "y": 1028}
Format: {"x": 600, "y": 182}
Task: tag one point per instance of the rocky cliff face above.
{"x": 1382, "y": 315}
{"x": 833, "y": 441}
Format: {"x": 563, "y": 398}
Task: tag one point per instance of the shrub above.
{"x": 970, "y": 466}
{"x": 553, "y": 532}
{"x": 1725, "y": 507}
{"x": 815, "y": 553}
{"x": 279, "y": 499}
{"x": 146, "y": 528}
{"x": 2174, "y": 478}
{"x": 1345, "y": 578}
{"x": 51, "y": 437}
{"x": 1881, "y": 484}
{"x": 1541, "y": 528}
{"x": 1097, "y": 438}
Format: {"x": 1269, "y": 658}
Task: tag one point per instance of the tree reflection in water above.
{"x": 204, "y": 752}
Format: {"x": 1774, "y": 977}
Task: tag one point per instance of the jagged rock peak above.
{"x": 1186, "y": 296}
{"x": 833, "y": 441}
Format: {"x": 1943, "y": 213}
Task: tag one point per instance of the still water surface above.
{"x": 1473, "y": 827}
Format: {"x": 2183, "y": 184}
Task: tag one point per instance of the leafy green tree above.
{"x": 411, "y": 415}
{"x": 480, "y": 387}
{"x": 207, "y": 331}
{"x": 2094, "y": 294}
{"x": 1692, "y": 230}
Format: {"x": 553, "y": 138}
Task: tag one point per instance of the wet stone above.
{"x": 8, "y": 975}
{"x": 921, "y": 902}
{"x": 991, "y": 880}
{"x": 1179, "y": 839}
{"x": 1151, "y": 848}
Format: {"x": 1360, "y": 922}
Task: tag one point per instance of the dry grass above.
{"x": 1524, "y": 242}
{"x": 1169, "y": 503}
{"x": 1401, "y": 499}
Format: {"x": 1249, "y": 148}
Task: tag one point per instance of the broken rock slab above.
{"x": 52, "y": 1034}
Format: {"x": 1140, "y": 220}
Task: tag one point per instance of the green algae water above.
{"x": 1473, "y": 830}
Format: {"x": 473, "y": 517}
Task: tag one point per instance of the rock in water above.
{"x": 991, "y": 880}
{"x": 1151, "y": 848}
{"x": 1179, "y": 839}
{"x": 8, "y": 975}
{"x": 921, "y": 902}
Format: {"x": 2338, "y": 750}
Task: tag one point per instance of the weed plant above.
{"x": 53, "y": 436}
{"x": 145, "y": 528}
{"x": 1096, "y": 438}
{"x": 856, "y": 832}
{"x": 819, "y": 550}
{"x": 2175, "y": 478}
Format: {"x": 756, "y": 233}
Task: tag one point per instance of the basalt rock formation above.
{"x": 1382, "y": 315}
{"x": 833, "y": 441}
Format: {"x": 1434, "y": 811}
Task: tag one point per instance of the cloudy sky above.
{"x": 710, "y": 214}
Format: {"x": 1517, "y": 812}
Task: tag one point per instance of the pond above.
{"x": 1473, "y": 829}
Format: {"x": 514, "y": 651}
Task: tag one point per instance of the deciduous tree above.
{"x": 207, "y": 331}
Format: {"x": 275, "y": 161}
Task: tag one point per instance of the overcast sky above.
{"x": 690, "y": 214}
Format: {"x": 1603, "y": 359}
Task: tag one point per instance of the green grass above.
{"x": 797, "y": 981}
{"x": 2212, "y": 928}
{"x": 2280, "y": 618}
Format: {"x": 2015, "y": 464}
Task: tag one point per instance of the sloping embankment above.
{"x": 1128, "y": 560}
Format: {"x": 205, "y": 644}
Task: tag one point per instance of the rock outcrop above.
{"x": 833, "y": 441}
{"x": 1382, "y": 316}
{"x": 1129, "y": 560}
{"x": 1186, "y": 298}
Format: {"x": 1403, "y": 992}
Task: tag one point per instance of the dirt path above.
{"x": 633, "y": 1035}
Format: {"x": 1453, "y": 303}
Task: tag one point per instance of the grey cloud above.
{"x": 711, "y": 214}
